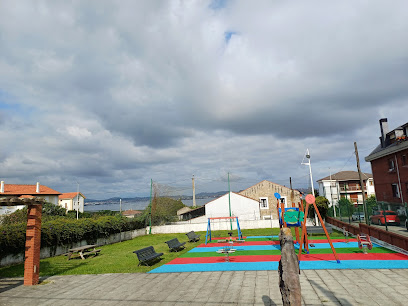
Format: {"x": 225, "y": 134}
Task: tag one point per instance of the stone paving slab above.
{"x": 319, "y": 287}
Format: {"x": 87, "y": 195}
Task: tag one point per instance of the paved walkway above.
{"x": 319, "y": 287}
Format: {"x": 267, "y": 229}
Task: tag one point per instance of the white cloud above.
{"x": 114, "y": 95}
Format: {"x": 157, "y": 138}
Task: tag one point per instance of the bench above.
{"x": 83, "y": 251}
{"x": 147, "y": 255}
{"x": 175, "y": 245}
{"x": 193, "y": 237}
{"x": 319, "y": 229}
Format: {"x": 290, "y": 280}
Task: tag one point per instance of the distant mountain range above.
{"x": 201, "y": 195}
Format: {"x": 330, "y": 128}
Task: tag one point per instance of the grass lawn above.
{"x": 119, "y": 257}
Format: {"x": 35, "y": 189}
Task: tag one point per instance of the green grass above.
{"x": 113, "y": 258}
{"x": 119, "y": 257}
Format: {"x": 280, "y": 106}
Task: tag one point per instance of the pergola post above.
{"x": 33, "y": 244}
{"x": 33, "y": 235}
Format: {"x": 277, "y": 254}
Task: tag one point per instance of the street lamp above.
{"x": 311, "y": 178}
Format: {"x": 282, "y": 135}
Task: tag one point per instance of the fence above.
{"x": 388, "y": 237}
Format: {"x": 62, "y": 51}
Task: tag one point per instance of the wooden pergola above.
{"x": 33, "y": 236}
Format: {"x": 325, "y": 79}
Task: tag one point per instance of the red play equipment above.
{"x": 364, "y": 241}
{"x": 310, "y": 199}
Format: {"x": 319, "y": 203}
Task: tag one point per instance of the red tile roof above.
{"x": 131, "y": 212}
{"x": 18, "y": 190}
{"x": 70, "y": 195}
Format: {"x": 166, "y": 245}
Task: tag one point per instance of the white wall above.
{"x": 6, "y": 210}
{"x": 202, "y": 227}
{"x": 370, "y": 189}
{"x": 329, "y": 191}
{"x": 242, "y": 207}
{"x": 72, "y": 203}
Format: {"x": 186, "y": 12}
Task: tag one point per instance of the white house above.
{"x": 70, "y": 200}
{"x": 20, "y": 190}
{"x": 241, "y": 206}
{"x": 346, "y": 184}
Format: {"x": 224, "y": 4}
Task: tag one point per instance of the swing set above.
{"x": 208, "y": 234}
{"x": 296, "y": 217}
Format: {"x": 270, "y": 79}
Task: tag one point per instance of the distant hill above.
{"x": 201, "y": 195}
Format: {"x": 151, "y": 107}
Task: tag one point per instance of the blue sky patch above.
{"x": 228, "y": 35}
{"x": 218, "y": 4}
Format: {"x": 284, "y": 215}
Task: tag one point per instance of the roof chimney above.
{"x": 384, "y": 131}
{"x": 37, "y": 190}
{"x": 2, "y": 187}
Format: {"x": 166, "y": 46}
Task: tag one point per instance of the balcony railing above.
{"x": 351, "y": 188}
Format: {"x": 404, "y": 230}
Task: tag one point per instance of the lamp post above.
{"x": 311, "y": 177}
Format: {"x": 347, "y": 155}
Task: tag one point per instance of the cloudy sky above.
{"x": 112, "y": 94}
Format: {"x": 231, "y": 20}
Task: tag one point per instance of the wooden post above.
{"x": 289, "y": 282}
{"x": 304, "y": 234}
{"x": 296, "y": 228}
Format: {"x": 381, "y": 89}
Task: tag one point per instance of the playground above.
{"x": 253, "y": 253}
{"x": 263, "y": 253}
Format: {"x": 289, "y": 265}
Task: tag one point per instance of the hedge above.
{"x": 61, "y": 231}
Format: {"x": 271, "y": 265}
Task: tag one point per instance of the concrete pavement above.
{"x": 319, "y": 287}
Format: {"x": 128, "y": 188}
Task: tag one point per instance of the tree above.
{"x": 322, "y": 205}
{"x": 371, "y": 204}
{"x": 164, "y": 210}
{"x": 346, "y": 208}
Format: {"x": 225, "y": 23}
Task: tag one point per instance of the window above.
{"x": 263, "y": 203}
{"x": 404, "y": 160}
{"x": 371, "y": 183}
{"x": 395, "y": 190}
{"x": 283, "y": 200}
{"x": 391, "y": 165}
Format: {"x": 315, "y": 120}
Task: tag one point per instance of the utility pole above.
{"x": 120, "y": 205}
{"x": 150, "y": 214}
{"x": 77, "y": 200}
{"x": 362, "y": 184}
{"x": 194, "y": 201}
{"x": 229, "y": 200}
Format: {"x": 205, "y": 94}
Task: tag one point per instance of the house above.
{"x": 70, "y": 200}
{"x": 18, "y": 190}
{"x": 131, "y": 213}
{"x": 264, "y": 194}
{"x": 233, "y": 204}
{"x": 389, "y": 164}
{"x": 346, "y": 184}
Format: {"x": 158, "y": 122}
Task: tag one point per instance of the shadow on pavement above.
{"x": 8, "y": 284}
{"x": 267, "y": 301}
{"x": 329, "y": 293}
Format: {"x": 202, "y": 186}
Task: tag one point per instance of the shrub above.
{"x": 62, "y": 230}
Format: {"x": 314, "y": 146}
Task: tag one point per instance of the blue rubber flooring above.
{"x": 273, "y": 265}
